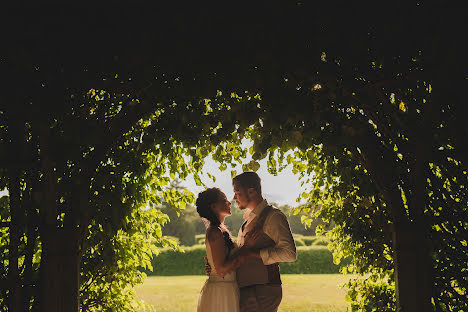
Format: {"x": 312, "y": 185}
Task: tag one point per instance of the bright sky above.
{"x": 282, "y": 189}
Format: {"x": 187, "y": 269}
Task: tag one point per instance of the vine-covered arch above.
{"x": 96, "y": 112}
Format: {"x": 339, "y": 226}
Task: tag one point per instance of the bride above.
{"x": 220, "y": 292}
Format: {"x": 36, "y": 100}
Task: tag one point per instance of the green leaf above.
{"x": 254, "y": 165}
{"x": 233, "y": 174}
{"x": 197, "y": 179}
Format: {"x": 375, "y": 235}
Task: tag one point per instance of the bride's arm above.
{"x": 222, "y": 264}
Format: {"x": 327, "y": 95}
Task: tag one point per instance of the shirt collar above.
{"x": 257, "y": 211}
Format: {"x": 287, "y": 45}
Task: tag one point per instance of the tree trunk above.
{"x": 31, "y": 233}
{"x": 60, "y": 263}
{"x": 14, "y": 298}
{"x": 412, "y": 267}
{"x": 413, "y": 286}
{"x": 14, "y": 189}
{"x": 60, "y": 259}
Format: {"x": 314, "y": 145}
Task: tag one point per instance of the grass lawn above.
{"x": 301, "y": 293}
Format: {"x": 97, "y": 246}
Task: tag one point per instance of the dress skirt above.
{"x": 219, "y": 295}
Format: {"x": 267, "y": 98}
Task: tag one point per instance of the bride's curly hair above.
{"x": 204, "y": 201}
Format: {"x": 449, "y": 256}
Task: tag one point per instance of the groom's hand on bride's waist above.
{"x": 207, "y": 266}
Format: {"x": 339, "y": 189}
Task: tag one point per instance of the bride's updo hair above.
{"x": 204, "y": 201}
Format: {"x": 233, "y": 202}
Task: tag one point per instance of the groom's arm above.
{"x": 278, "y": 229}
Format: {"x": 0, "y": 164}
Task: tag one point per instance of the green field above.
{"x": 301, "y": 293}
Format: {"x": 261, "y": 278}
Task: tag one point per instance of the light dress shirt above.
{"x": 276, "y": 226}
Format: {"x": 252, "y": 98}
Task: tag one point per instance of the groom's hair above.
{"x": 249, "y": 179}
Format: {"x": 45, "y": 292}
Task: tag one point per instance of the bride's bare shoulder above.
{"x": 213, "y": 234}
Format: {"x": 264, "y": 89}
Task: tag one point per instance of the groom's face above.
{"x": 241, "y": 196}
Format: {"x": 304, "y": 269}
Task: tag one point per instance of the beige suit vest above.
{"x": 254, "y": 272}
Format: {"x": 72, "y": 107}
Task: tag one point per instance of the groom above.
{"x": 266, "y": 238}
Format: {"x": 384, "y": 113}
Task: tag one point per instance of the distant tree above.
{"x": 183, "y": 223}
{"x": 299, "y": 223}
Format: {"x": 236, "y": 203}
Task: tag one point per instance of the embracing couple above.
{"x": 244, "y": 276}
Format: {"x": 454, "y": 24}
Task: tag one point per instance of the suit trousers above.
{"x": 260, "y": 298}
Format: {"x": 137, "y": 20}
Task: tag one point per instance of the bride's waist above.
{"x": 230, "y": 277}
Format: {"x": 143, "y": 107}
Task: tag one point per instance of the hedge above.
{"x": 310, "y": 260}
{"x": 200, "y": 239}
{"x": 301, "y": 240}
{"x": 320, "y": 241}
{"x": 309, "y": 240}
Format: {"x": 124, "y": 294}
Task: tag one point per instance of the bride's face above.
{"x": 222, "y": 206}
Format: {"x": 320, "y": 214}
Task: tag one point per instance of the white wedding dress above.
{"x": 218, "y": 294}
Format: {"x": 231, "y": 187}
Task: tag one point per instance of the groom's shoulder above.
{"x": 273, "y": 208}
{"x": 275, "y": 211}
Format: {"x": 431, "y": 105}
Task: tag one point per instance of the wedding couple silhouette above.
{"x": 243, "y": 276}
